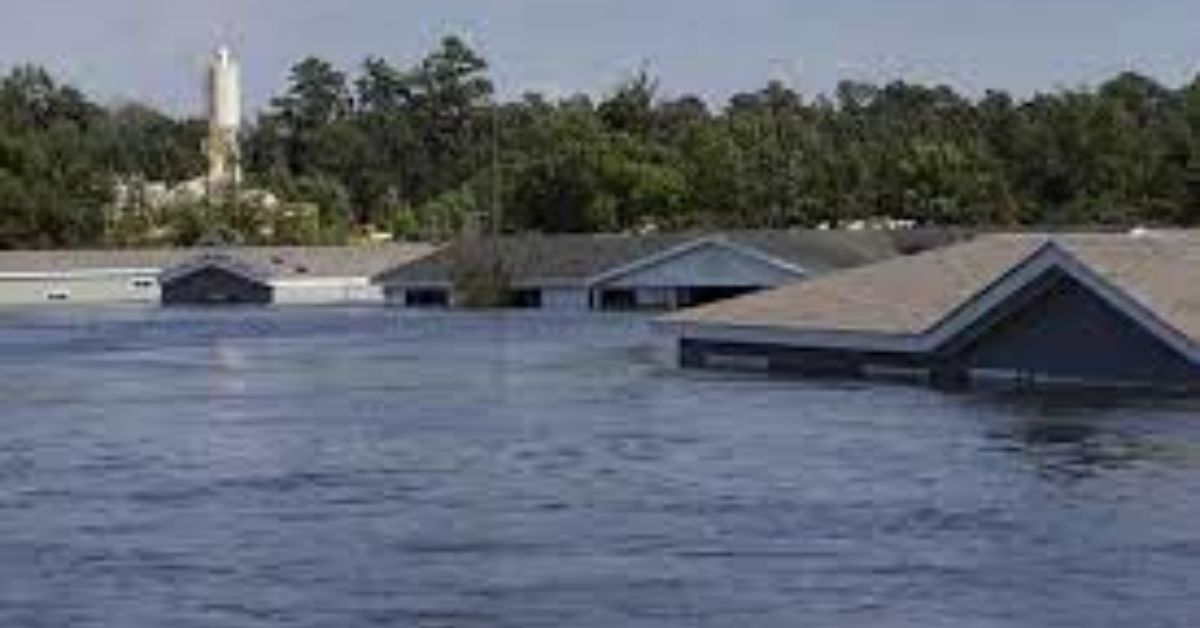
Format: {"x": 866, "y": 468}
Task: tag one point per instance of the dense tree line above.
{"x": 60, "y": 154}
{"x": 429, "y": 149}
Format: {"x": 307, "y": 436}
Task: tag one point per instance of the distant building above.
{"x": 222, "y": 153}
{"x": 216, "y": 279}
{"x": 621, "y": 272}
{"x": 1105, "y": 310}
{"x": 222, "y": 149}
{"x": 296, "y": 275}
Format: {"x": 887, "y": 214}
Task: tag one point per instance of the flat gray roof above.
{"x": 281, "y": 262}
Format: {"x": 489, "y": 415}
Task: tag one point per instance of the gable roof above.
{"x": 573, "y": 259}
{"x": 1051, "y": 257}
{"x": 687, "y": 248}
{"x": 298, "y": 262}
{"x": 222, "y": 261}
{"x": 21, "y": 264}
{"x": 926, "y": 297}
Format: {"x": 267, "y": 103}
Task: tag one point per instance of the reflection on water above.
{"x": 374, "y": 468}
{"x": 1081, "y": 434}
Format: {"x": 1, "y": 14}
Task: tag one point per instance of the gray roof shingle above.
{"x": 282, "y": 262}
{"x": 573, "y": 259}
{"x": 910, "y": 295}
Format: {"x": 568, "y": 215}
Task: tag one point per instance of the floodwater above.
{"x": 349, "y": 468}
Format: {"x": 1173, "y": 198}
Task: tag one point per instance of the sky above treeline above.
{"x": 154, "y": 50}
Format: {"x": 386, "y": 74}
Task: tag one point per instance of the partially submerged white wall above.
{"x": 326, "y": 291}
{"x": 141, "y": 286}
{"x": 565, "y": 298}
{"x": 116, "y": 287}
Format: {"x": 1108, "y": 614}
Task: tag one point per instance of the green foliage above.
{"x": 445, "y": 216}
{"x": 425, "y": 151}
{"x": 140, "y": 140}
{"x": 53, "y": 186}
{"x": 408, "y": 136}
{"x": 479, "y": 276}
{"x": 404, "y": 224}
{"x": 298, "y": 224}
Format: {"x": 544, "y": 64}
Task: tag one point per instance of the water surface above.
{"x": 348, "y": 468}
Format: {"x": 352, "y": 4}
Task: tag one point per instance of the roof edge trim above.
{"x": 221, "y": 261}
{"x": 692, "y": 245}
{"x": 1053, "y": 256}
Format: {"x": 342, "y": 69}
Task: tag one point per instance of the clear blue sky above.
{"x": 153, "y": 50}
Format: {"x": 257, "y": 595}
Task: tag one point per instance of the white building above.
{"x": 297, "y": 275}
{"x": 224, "y": 122}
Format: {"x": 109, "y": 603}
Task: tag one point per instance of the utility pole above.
{"x": 497, "y": 210}
{"x": 782, "y": 185}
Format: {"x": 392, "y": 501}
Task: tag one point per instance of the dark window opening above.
{"x": 618, "y": 300}
{"x": 702, "y": 295}
{"x": 427, "y": 298}
{"x": 525, "y": 299}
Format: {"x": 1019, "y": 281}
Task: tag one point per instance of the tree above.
{"x": 317, "y": 97}
{"x": 427, "y": 150}
{"x": 630, "y": 109}
{"x": 450, "y": 108}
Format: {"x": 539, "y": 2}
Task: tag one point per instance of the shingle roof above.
{"x": 348, "y": 261}
{"x": 573, "y": 259}
{"x": 910, "y": 295}
{"x": 821, "y": 251}
{"x": 230, "y": 263}
{"x": 31, "y": 262}
{"x": 283, "y": 262}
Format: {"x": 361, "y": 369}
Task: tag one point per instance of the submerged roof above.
{"x": 282, "y": 262}
{"x": 345, "y": 261}
{"x": 910, "y": 296}
{"x": 229, "y": 263}
{"x": 576, "y": 259}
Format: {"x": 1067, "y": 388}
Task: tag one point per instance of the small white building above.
{"x": 80, "y": 277}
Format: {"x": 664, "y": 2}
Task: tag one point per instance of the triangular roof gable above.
{"x": 533, "y": 259}
{"x": 436, "y": 262}
{"x": 1052, "y": 257}
{"x": 686, "y": 248}
{"x": 221, "y": 261}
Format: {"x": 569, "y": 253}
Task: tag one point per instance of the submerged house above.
{"x": 134, "y": 276}
{"x": 282, "y": 275}
{"x": 82, "y": 277}
{"x": 216, "y": 279}
{"x": 620, "y": 272}
{"x": 1106, "y": 310}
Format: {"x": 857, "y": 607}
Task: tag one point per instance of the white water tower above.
{"x": 224, "y": 122}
